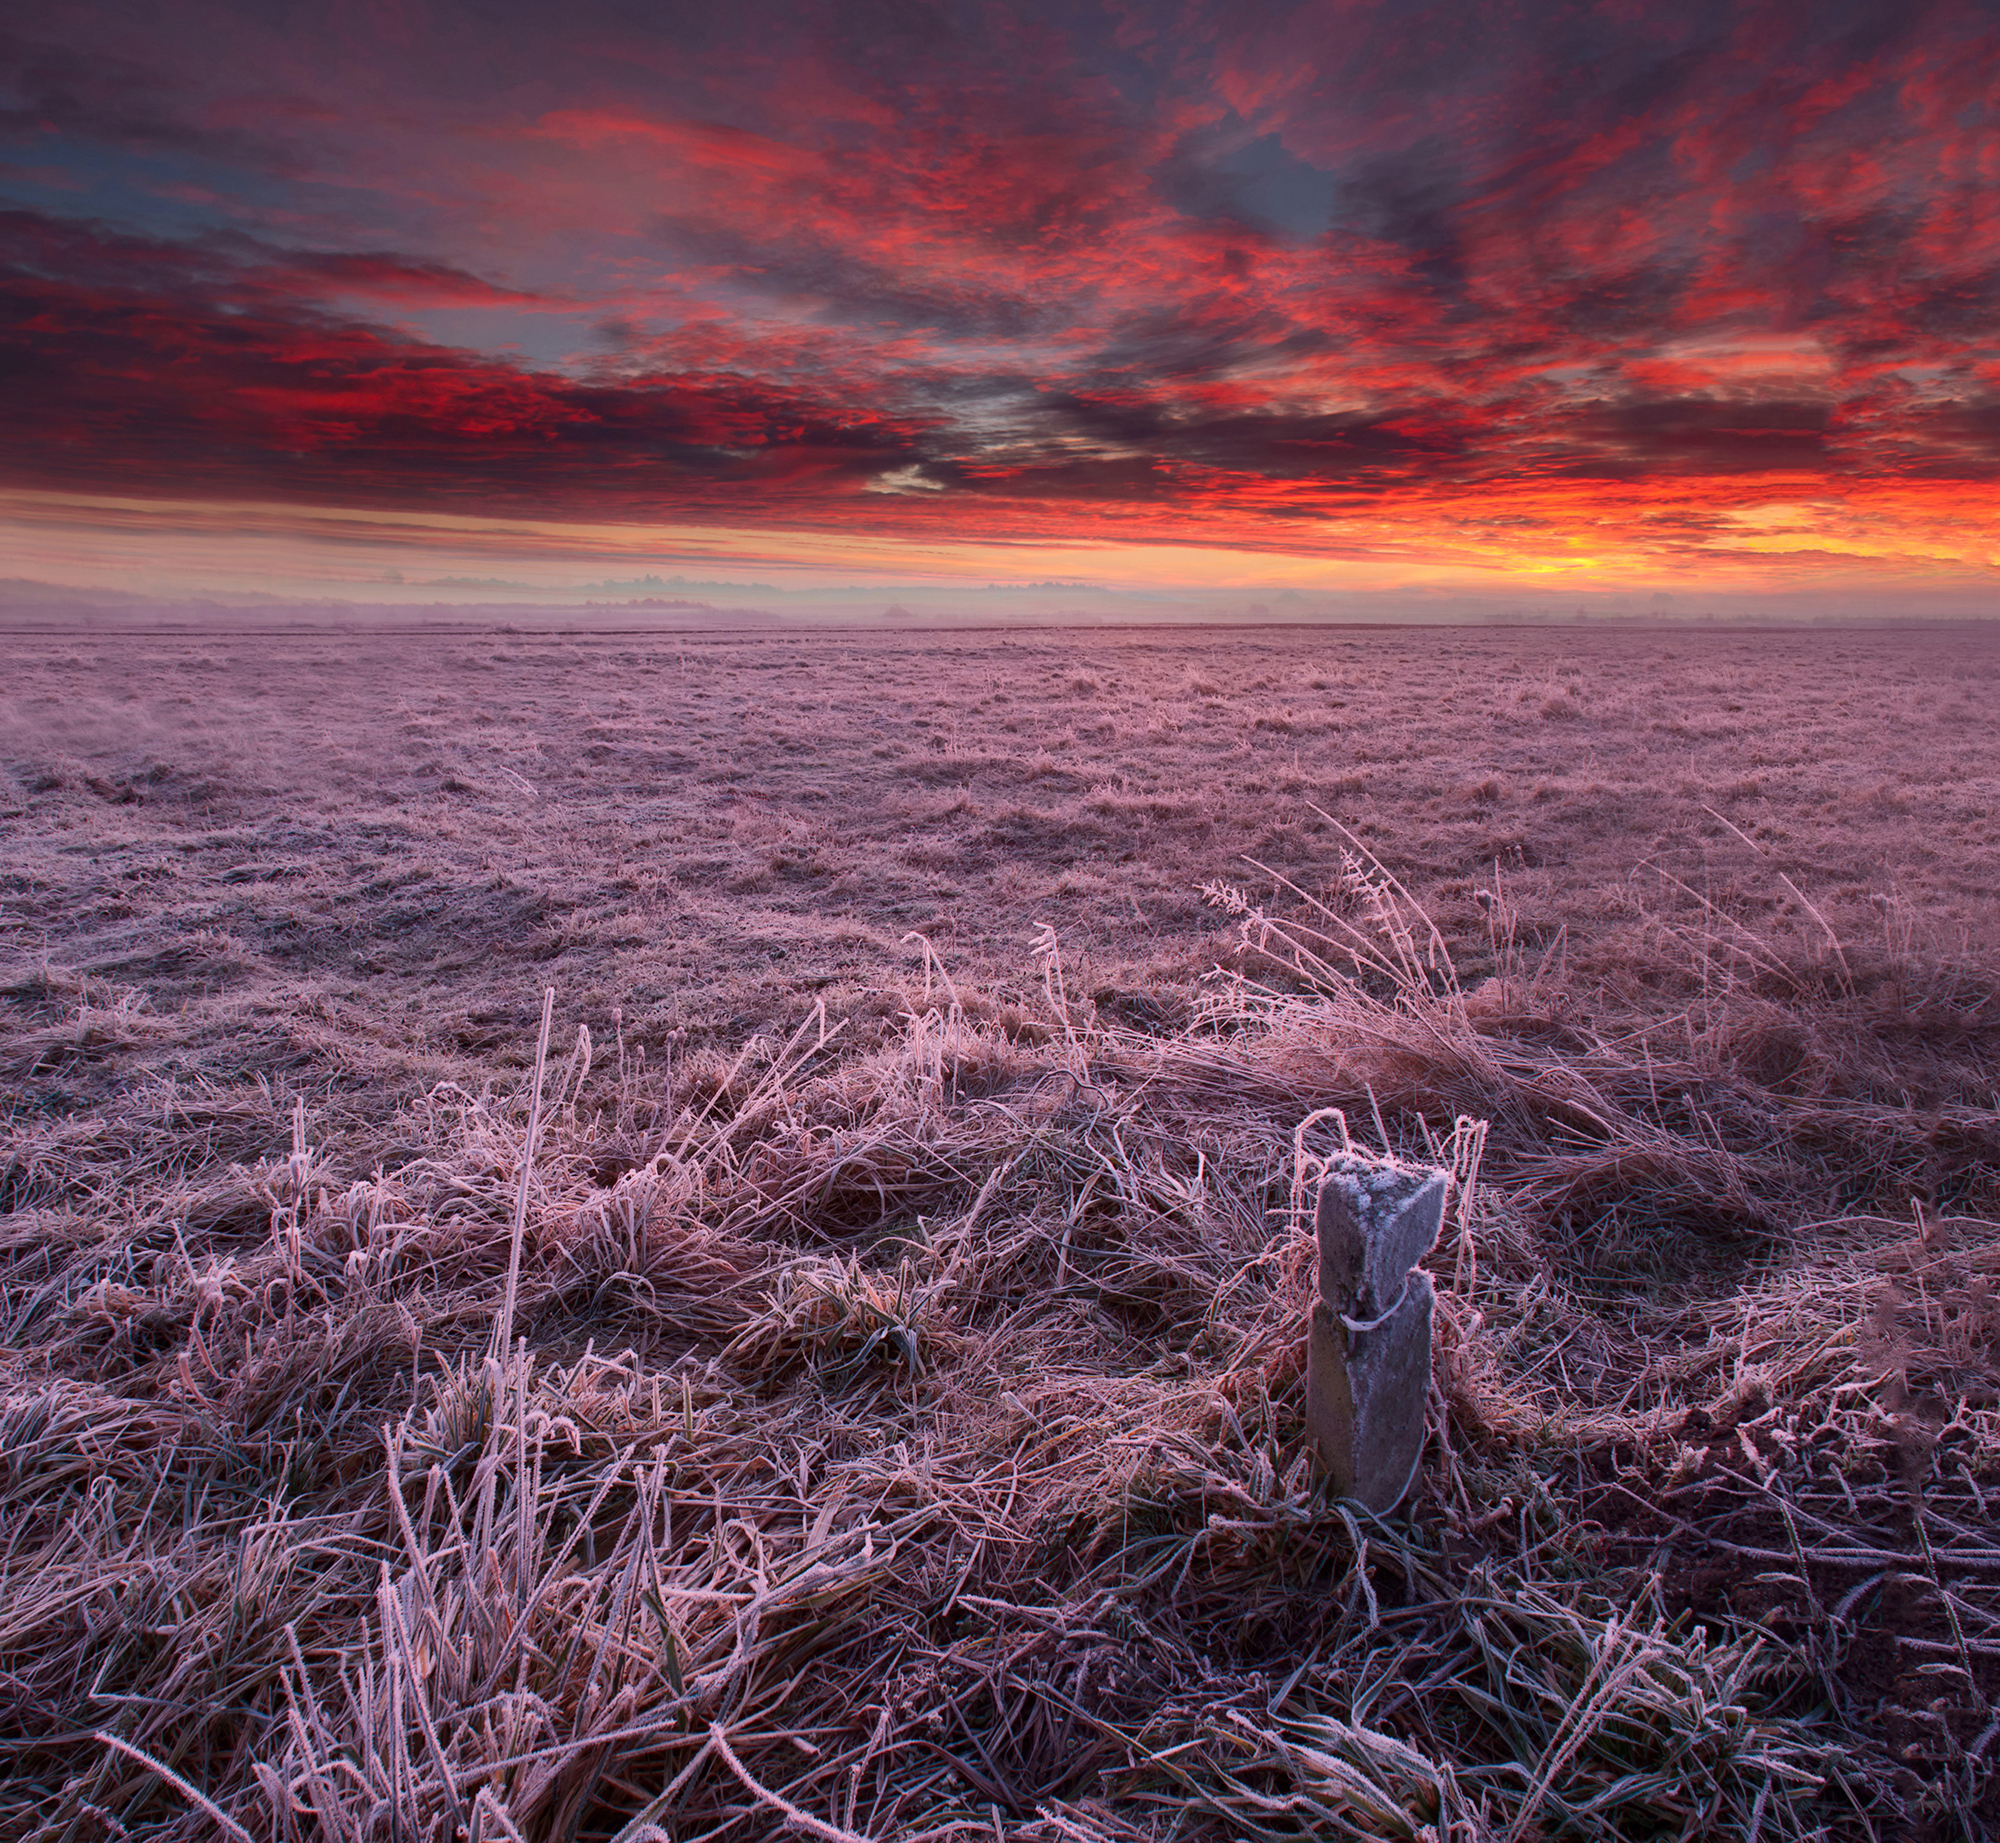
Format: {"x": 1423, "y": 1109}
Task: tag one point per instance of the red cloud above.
{"x": 1026, "y": 271}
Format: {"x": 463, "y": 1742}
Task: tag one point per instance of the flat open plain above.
{"x": 705, "y": 830}
{"x": 865, "y": 1399}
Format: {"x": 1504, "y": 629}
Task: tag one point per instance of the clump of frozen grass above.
{"x": 907, "y": 1443}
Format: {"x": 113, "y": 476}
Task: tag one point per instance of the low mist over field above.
{"x": 652, "y": 605}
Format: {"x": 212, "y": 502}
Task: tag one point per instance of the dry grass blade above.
{"x": 199, "y": 1799}
{"x": 503, "y": 1325}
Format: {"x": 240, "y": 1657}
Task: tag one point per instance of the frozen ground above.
{"x": 867, "y": 1401}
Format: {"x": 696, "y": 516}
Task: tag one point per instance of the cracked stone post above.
{"x": 1368, "y": 1361}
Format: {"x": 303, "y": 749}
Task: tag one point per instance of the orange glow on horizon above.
{"x": 1527, "y": 536}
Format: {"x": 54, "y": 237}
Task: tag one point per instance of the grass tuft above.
{"x": 903, "y": 1439}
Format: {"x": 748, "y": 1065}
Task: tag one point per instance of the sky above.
{"x": 1438, "y": 300}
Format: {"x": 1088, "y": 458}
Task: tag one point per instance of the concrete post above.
{"x": 1368, "y": 1359}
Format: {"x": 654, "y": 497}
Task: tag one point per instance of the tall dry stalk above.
{"x": 503, "y": 1324}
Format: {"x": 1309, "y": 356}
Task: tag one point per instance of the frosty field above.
{"x": 894, "y": 1429}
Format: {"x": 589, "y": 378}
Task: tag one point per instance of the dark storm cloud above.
{"x": 840, "y": 283}
{"x": 126, "y": 366}
{"x": 1715, "y": 437}
{"x": 1272, "y": 446}
{"x": 94, "y": 95}
{"x": 1206, "y": 339}
{"x": 226, "y": 266}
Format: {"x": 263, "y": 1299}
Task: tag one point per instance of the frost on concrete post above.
{"x": 1368, "y": 1361}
